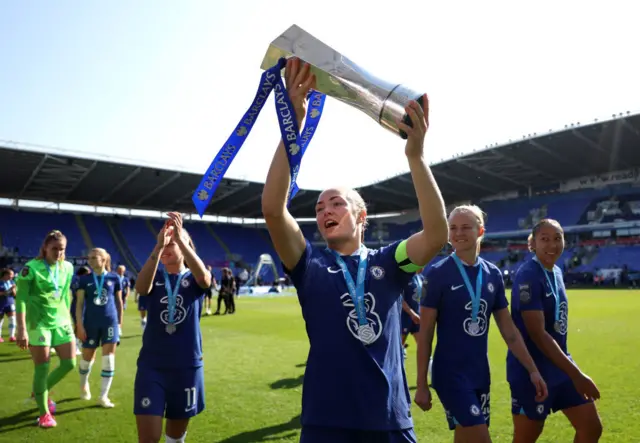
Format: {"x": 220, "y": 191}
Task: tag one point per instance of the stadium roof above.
{"x": 535, "y": 161}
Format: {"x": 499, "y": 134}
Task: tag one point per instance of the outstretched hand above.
{"x": 299, "y": 81}
{"x": 420, "y": 125}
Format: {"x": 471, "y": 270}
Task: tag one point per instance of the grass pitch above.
{"x": 254, "y": 364}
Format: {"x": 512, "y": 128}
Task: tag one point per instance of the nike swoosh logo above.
{"x": 453, "y": 288}
{"x": 189, "y": 409}
{"x": 334, "y": 271}
{"x": 159, "y": 283}
{"x": 549, "y": 294}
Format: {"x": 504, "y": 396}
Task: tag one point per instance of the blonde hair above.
{"x": 476, "y": 212}
{"x": 54, "y": 235}
{"x": 545, "y": 221}
{"x": 107, "y": 257}
{"x": 355, "y": 199}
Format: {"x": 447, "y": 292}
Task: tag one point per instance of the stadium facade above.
{"x": 586, "y": 176}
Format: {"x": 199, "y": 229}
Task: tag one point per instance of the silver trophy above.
{"x": 339, "y": 77}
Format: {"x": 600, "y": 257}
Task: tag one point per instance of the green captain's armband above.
{"x": 403, "y": 260}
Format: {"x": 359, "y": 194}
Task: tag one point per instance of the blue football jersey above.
{"x": 99, "y": 309}
{"x": 125, "y": 283}
{"x": 353, "y": 379}
{"x": 460, "y": 359}
{"x": 413, "y": 292}
{"x": 6, "y": 285}
{"x": 75, "y": 281}
{"x": 183, "y": 347}
{"x": 533, "y": 291}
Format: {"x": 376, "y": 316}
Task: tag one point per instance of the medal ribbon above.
{"x": 356, "y": 290}
{"x": 294, "y": 142}
{"x": 100, "y": 285}
{"x": 554, "y": 289}
{"x": 172, "y": 295}
{"x": 475, "y": 296}
{"x": 54, "y": 276}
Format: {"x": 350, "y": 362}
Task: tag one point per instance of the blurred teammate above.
{"x": 8, "y": 303}
{"x": 209, "y": 293}
{"x": 99, "y": 316}
{"x": 82, "y": 270}
{"x": 462, "y": 292}
{"x": 410, "y": 317}
{"x": 125, "y": 284}
{"x": 539, "y": 307}
{"x": 43, "y": 304}
{"x": 170, "y": 378}
{"x": 227, "y": 292}
{"x": 355, "y": 389}
{"x": 142, "y": 308}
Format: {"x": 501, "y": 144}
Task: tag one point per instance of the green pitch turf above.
{"x": 254, "y": 362}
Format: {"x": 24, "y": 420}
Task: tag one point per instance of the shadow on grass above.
{"x": 9, "y": 360}
{"x": 27, "y": 418}
{"x": 269, "y": 433}
{"x": 288, "y": 383}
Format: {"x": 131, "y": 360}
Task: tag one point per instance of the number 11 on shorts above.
{"x": 191, "y": 398}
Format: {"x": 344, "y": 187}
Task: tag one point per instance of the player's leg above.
{"x": 11, "y": 317}
{"x": 86, "y": 363}
{"x": 39, "y": 347}
{"x": 149, "y": 399}
{"x": 75, "y": 329}
{"x": 582, "y": 413}
{"x": 1, "y": 324}
{"x": 64, "y": 342}
{"x": 232, "y": 303}
{"x": 207, "y": 302}
{"x": 185, "y": 400}
{"x": 219, "y": 301}
{"x": 110, "y": 340}
{"x": 586, "y": 421}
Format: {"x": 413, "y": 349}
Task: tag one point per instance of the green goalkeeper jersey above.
{"x": 43, "y": 294}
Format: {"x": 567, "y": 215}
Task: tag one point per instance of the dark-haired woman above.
{"x": 540, "y": 310}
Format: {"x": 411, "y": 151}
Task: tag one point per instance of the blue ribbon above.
{"x": 475, "y": 296}
{"x": 172, "y": 294}
{"x": 54, "y": 277}
{"x": 295, "y": 143}
{"x": 356, "y": 290}
{"x": 554, "y": 289}
{"x": 99, "y": 286}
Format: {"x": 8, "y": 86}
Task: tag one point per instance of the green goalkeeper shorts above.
{"x": 51, "y": 337}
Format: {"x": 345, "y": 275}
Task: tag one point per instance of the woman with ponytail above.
{"x": 98, "y": 317}
{"x": 44, "y": 322}
{"x": 460, "y": 294}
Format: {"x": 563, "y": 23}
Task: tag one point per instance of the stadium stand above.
{"x": 585, "y": 176}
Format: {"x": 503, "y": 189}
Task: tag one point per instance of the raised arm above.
{"x": 285, "y": 232}
{"x": 144, "y": 281}
{"x": 199, "y": 271}
{"x": 422, "y": 246}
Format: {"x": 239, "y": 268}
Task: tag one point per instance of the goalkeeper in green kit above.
{"x": 43, "y": 312}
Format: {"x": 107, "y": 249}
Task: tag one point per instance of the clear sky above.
{"x": 164, "y": 82}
